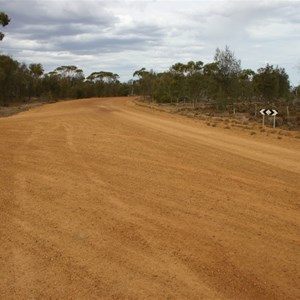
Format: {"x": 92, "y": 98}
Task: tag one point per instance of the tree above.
{"x": 271, "y": 83}
{"x": 51, "y": 86}
{"x": 283, "y": 82}
{"x": 8, "y": 69}
{"x": 227, "y": 63}
{"x": 146, "y": 81}
{"x": 178, "y": 84}
{"x": 245, "y": 84}
{"x": 140, "y": 72}
{"x": 69, "y": 77}
{"x": 104, "y": 76}
{"x": 4, "y": 20}
{"x": 163, "y": 91}
{"x": 194, "y": 80}
{"x": 105, "y": 83}
{"x": 210, "y": 82}
{"x": 229, "y": 68}
{"x": 36, "y": 71}
{"x": 70, "y": 72}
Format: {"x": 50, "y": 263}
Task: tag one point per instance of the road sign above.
{"x": 269, "y": 112}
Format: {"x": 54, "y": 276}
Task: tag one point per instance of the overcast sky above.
{"x": 123, "y": 36}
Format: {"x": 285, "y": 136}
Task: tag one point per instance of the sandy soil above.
{"x": 6, "y": 111}
{"x": 103, "y": 199}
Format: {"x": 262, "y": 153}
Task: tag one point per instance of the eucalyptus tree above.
{"x": 146, "y": 82}
{"x": 187, "y": 79}
{"x": 8, "y": 71}
{"x": 72, "y": 73}
{"x": 104, "y": 76}
{"x": 163, "y": 91}
{"x": 194, "y": 74}
{"x": 51, "y": 85}
{"x": 4, "y": 21}
{"x": 245, "y": 86}
{"x": 179, "y": 86}
{"x": 140, "y": 73}
{"x": 271, "y": 83}
{"x": 36, "y": 70}
{"x": 229, "y": 69}
{"x": 227, "y": 63}
{"x": 210, "y": 80}
{"x": 70, "y": 77}
{"x": 105, "y": 83}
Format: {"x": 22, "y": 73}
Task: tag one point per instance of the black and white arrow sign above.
{"x": 269, "y": 112}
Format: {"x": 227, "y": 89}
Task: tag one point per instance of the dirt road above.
{"x": 102, "y": 199}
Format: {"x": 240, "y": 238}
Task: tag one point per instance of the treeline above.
{"x": 222, "y": 81}
{"x": 21, "y": 82}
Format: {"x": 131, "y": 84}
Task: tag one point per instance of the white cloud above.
{"x": 274, "y": 31}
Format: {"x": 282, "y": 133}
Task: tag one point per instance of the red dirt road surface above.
{"x": 103, "y": 199}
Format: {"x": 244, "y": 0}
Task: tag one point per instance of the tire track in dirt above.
{"x": 19, "y": 200}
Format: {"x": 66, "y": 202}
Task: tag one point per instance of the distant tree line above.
{"x": 21, "y": 82}
{"x": 222, "y": 81}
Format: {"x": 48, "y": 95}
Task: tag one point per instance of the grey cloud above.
{"x": 106, "y": 45}
{"x": 27, "y": 16}
{"x": 49, "y": 32}
{"x": 66, "y": 24}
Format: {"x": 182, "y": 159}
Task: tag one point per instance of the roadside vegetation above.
{"x": 222, "y": 81}
{"x": 222, "y": 87}
{"x": 22, "y": 83}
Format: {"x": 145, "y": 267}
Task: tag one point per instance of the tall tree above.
{"x": 194, "y": 80}
{"x": 210, "y": 82}
{"x": 68, "y": 78}
{"x": 105, "y": 83}
{"x": 229, "y": 69}
{"x": 271, "y": 83}
{"x": 4, "y": 20}
{"x": 178, "y": 72}
{"x": 227, "y": 63}
{"x": 70, "y": 72}
{"x": 36, "y": 71}
{"x": 245, "y": 84}
{"x": 8, "y": 81}
{"x": 146, "y": 81}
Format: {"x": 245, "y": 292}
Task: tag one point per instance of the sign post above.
{"x": 269, "y": 112}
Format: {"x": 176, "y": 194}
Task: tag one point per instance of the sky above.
{"x": 122, "y": 36}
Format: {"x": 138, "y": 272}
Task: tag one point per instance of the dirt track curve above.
{"x": 102, "y": 199}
